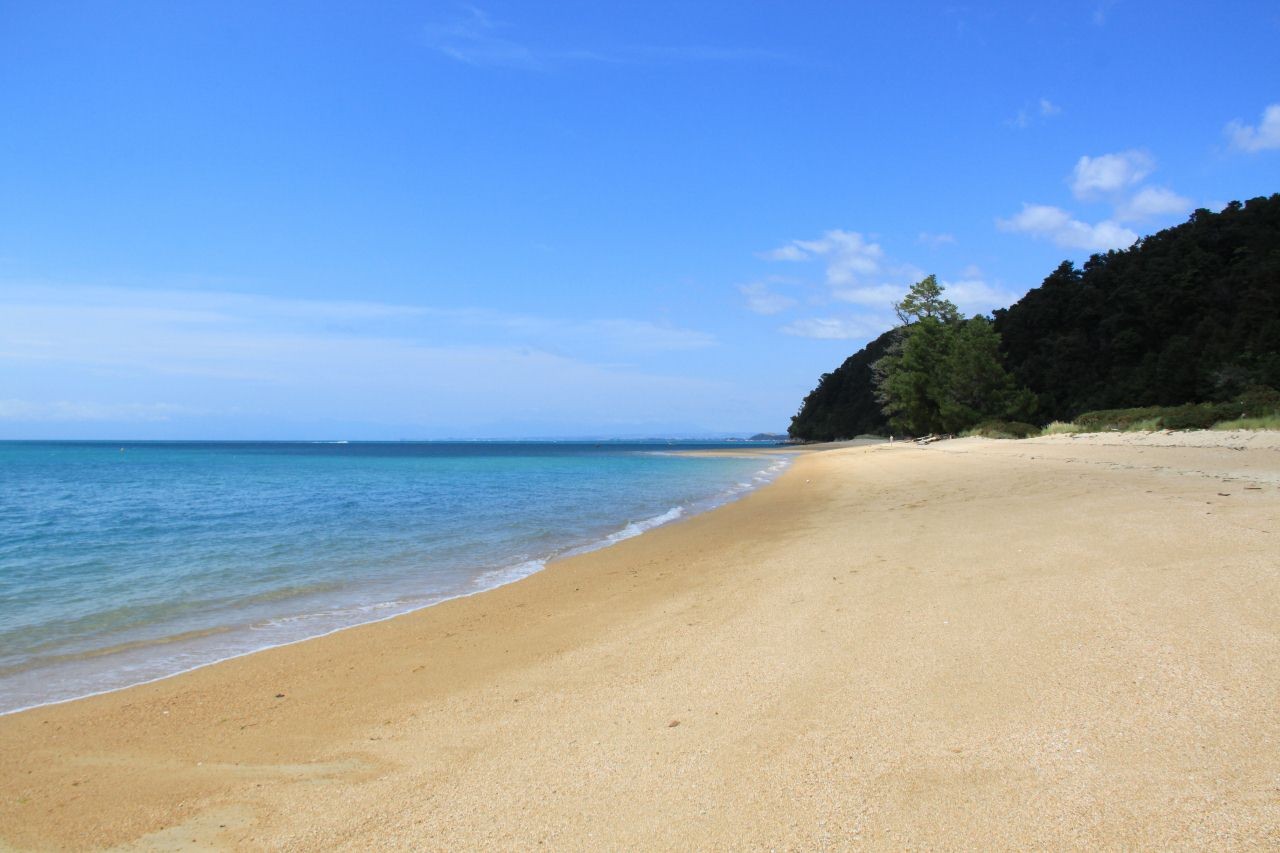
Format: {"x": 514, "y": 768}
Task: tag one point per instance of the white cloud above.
{"x": 1109, "y": 173}
{"x": 857, "y": 271}
{"x": 972, "y": 295}
{"x": 829, "y": 328}
{"x": 1036, "y": 219}
{"x": 847, "y": 254}
{"x": 1056, "y": 224}
{"x": 1261, "y": 138}
{"x": 875, "y": 296}
{"x": 789, "y": 252}
{"x": 1048, "y": 108}
{"x": 1150, "y": 202}
{"x": 1109, "y": 177}
{"x": 761, "y": 300}
{"x": 933, "y": 241}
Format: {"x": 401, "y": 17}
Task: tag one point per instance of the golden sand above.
{"x": 1064, "y": 642}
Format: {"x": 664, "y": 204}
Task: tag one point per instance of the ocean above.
{"x": 121, "y": 563}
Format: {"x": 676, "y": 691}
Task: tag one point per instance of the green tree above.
{"x": 912, "y": 378}
{"x": 924, "y": 299}
{"x": 1188, "y": 314}
{"x": 1191, "y": 313}
{"x": 976, "y": 386}
{"x": 944, "y": 373}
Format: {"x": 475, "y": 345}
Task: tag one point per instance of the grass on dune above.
{"x": 1262, "y": 422}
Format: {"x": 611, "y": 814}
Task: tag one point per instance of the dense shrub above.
{"x": 1257, "y": 402}
{"x": 1121, "y": 419}
{"x": 1004, "y": 429}
{"x": 1201, "y": 416}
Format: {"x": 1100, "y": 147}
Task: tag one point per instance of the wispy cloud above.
{"x": 1253, "y": 138}
{"x": 847, "y": 255}
{"x": 1056, "y": 224}
{"x": 831, "y": 328}
{"x": 934, "y": 241}
{"x": 879, "y": 296}
{"x": 1102, "y": 12}
{"x": 67, "y": 411}
{"x": 1040, "y": 111}
{"x": 643, "y": 335}
{"x": 861, "y": 278}
{"x": 176, "y": 354}
{"x": 856, "y": 269}
{"x": 474, "y": 37}
{"x": 625, "y": 334}
{"x": 761, "y": 300}
{"x": 789, "y": 252}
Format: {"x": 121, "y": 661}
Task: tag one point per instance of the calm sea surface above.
{"x": 121, "y": 563}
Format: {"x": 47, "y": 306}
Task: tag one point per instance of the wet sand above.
{"x": 1065, "y": 642}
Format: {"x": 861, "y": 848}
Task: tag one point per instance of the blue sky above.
{"x": 426, "y": 220}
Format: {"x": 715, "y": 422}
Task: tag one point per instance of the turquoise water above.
{"x": 125, "y": 563}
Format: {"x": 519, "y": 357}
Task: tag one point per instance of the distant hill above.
{"x": 1190, "y": 314}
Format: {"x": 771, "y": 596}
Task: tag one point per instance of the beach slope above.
{"x": 1062, "y": 642}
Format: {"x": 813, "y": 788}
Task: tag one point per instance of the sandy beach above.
{"x": 1068, "y": 642}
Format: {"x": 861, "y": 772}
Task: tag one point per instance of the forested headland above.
{"x": 1189, "y": 315}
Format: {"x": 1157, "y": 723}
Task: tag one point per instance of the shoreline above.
{"x": 501, "y": 576}
{"x": 1055, "y": 642}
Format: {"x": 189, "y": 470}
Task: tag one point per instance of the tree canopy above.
{"x": 924, "y": 300}
{"x": 1188, "y": 315}
{"x": 1191, "y": 314}
{"x": 944, "y": 373}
